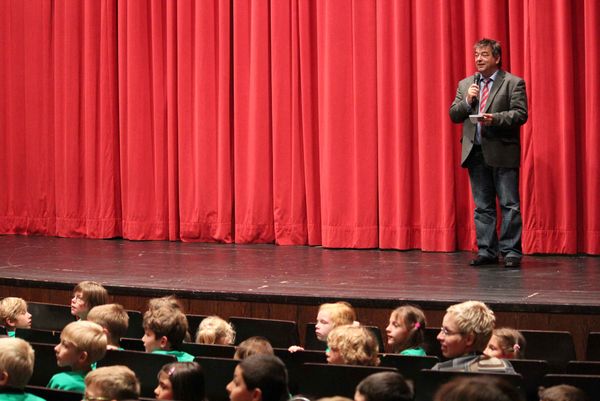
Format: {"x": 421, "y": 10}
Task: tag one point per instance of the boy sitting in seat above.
{"x": 14, "y": 315}
{"x": 114, "y": 320}
{"x": 165, "y": 329}
{"x": 82, "y": 343}
{"x": 16, "y": 368}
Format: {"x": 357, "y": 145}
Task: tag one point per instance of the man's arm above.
{"x": 460, "y": 108}
{"x": 516, "y": 115}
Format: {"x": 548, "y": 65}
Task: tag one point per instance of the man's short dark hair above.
{"x": 267, "y": 373}
{"x": 385, "y": 386}
{"x": 493, "y": 44}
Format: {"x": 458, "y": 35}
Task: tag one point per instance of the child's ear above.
{"x": 83, "y": 356}
{"x": 164, "y": 342}
{"x": 470, "y": 339}
{"x": 9, "y": 322}
{"x": 256, "y": 394}
{"x": 3, "y": 378}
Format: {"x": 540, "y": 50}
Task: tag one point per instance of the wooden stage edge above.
{"x": 289, "y": 282}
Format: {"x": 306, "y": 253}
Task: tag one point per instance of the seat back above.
{"x": 45, "y": 364}
{"x": 39, "y": 336}
{"x": 209, "y": 350}
{"x": 408, "y": 365}
{"x": 589, "y": 384}
{"x": 583, "y": 368}
{"x": 145, "y": 365}
{"x": 556, "y": 347}
{"x": 47, "y": 316}
{"x": 217, "y": 373}
{"x": 532, "y": 371}
{"x": 432, "y": 345}
{"x": 429, "y": 381}
{"x": 135, "y": 328}
{"x": 293, "y": 362}
{"x": 193, "y": 323}
{"x": 280, "y": 333}
{"x": 323, "y": 380}
{"x": 311, "y": 342}
{"x": 51, "y": 394}
{"x": 132, "y": 344}
{"x": 592, "y": 350}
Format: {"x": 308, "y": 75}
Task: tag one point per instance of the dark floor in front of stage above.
{"x": 302, "y": 274}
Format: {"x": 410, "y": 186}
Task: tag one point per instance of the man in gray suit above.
{"x": 491, "y": 150}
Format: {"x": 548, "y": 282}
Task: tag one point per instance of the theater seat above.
{"x": 217, "y": 373}
{"x": 593, "y": 347}
{"x": 590, "y": 384}
{"x": 49, "y": 316}
{"x": 280, "y": 333}
{"x": 50, "y": 394}
{"x": 556, "y": 347}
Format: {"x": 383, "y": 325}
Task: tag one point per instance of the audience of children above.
{"x": 478, "y": 388}
{"x": 466, "y": 330}
{"x": 562, "y": 392}
{"x": 253, "y": 346}
{"x": 165, "y": 329}
{"x": 214, "y": 330}
{"x": 16, "y": 368}
{"x": 259, "y": 378}
{"x": 114, "y": 320}
{"x": 181, "y": 381}
{"x": 406, "y": 330}
{"x": 352, "y": 345}
{"x": 506, "y": 343}
{"x": 383, "y": 386}
{"x": 86, "y": 295}
{"x": 81, "y": 344}
{"x": 14, "y": 315}
{"x": 331, "y": 315}
{"x": 111, "y": 383}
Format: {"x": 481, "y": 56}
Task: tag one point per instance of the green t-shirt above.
{"x": 10, "y": 333}
{"x": 71, "y": 381}
{"x": 180, "y": 355}
{"x": 19, "y": 396}
{"x": 416, "y": 351}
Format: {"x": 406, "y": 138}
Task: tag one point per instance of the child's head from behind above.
{"x": 352, "y": 345}
{"x": 86, "y": 295}
{"x": 14, "y": 314}
{"x": 113, "y": 318}
{"x": 81, "y": 344}
{"x": 467, "y": 327}
{"x": 562, "y": 392}
{"x": 406, "y": 328}
{"x": 253, "y": 346}
{"x": 181, "y": 381}
{"x": 16, "y": 362}
{"x": 165, "y": 328}
{"x": 214, "y": 330}
{"x": 112, "y": 383}
{"x": 332, "y": 315}
{"x": 506, "y": 343}
{"x": 383, "y": 386}
{"x": 169, "y": 301}
{"x": 478, "y": 388}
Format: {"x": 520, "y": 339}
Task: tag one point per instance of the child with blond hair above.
{"x": 112, "y": 383}
{"x": 86, "y": 295}
{"x": 165, "y": 329}
{"x": 352, "y": 345}
{"x": 114, "y": 320}
{"x": 82, "y": 343}
{"x": 16, "y": 368}
{"x": 14, "y": 315}
{"x": 214, "y": 330}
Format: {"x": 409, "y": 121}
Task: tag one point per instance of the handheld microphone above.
{"x": 476, "y": 81}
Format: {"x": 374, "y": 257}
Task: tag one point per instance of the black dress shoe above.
{"x": 512, "y": 262}
{"x": 483, "y": 260}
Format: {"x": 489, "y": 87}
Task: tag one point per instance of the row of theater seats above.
{"x": 310, "y": 375}
{"x": 556, "y": 347}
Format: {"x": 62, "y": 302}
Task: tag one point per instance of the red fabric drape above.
{"x": 320, "y": 122}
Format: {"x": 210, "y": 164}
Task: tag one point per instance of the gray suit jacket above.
{"x": 500, "y": 142}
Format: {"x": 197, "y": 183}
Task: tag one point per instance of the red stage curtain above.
{"x": 319, "y": 122}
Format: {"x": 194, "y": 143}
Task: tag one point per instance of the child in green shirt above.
{"x": 16, "y": 368}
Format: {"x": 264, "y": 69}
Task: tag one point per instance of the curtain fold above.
{"x": 295, "y": 122}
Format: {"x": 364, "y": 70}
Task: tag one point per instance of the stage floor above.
{"x": 301, "y": 275}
